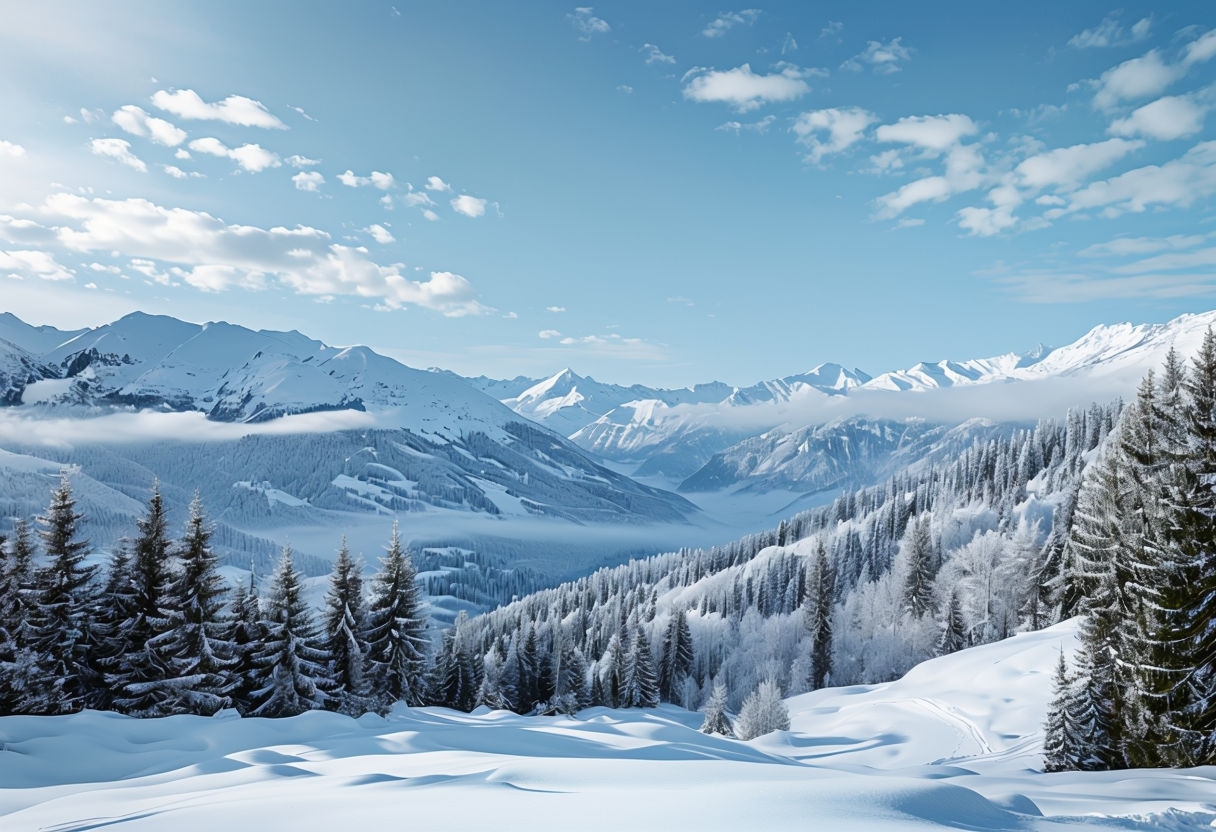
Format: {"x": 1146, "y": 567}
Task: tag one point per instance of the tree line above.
{"x": 1141, "y": 570}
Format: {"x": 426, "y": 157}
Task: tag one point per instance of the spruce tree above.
{"x": 1059, "y": 733}
{"x": 397, "y": 627}
{"x": 63, "y": 631}
{"x": 16, "y": 608}
{"x": 290, "y": 664}
{"x": 817, "y": 616}
{"x": 918, "y": 583}
{"x": 716, "y": 720}
{"x": 247, "y": 634}
{"x": 677, "y": 659}
{"x": 197, "y": 644}
{"x": 953, "y": 637}
{"x": 344, "y": 638}
{"x": 640, "y": 687}
{"x": 138, "y": 666}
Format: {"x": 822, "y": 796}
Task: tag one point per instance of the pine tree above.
{"x": 918, "y": 584}
{"x": 63, "y": 631}
{"x": 716, "y": 720}
{"x": 817, "y": 615}
{"x": 457, "y": 680}
{"x": 396, "y": 634}
{"x": 677, "y": 659}
{"x": 611, "y": 673}
{"x": 763, "y": 712}
{"x": 1060, "y": 742}
{"x": 640, "y": 688}
{"x": 16, "y": 609}
{"x": 344, "y": 631}
{"x": 197, "y": 642}
{"x": 137, "y": 668}
{"x": 290, "y": 665}
{"x": 953, "y": 637}
{"x": 247, "y": 633}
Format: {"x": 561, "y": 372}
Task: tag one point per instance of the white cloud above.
{"x": 625, "y": 88}
{"x": 235, "y": 109}
{"x": 39, "y": 264}
{"x": 11, "y": 150}
{"x": 1083, "y": 287}
{"x": 929, "y": 189}
{"x": 832, "y": 30}
{"x": 470, "y": 206}
{"x": 1068, "y": 167}
{"x": 434, "y": 183}
{"x": 655, "y": 55}
{"x": 135, "y": 121}
{"x": 251, "y": 157}
{"x": 1177, "y": 183}
{"x": 178, "y": 173}
{"x": 587, "y": 24}
{"x": 844, "y": 128}
{"x": 1201, "y": 49}
{"x": 380, "y": 234}
{"x": 1142, "y": 77}
{"x": 555, "y": 309}
{"x": 760, "y": 126}
{"x": 745, "y": 90}
{"x": 1131, "y": 246}
{"x": 1168, "y": 118}
{"x": 549, "y": 333}
{"x": 1110, "y": 32}
{"x": 726, "y": 21}
{"x": 120, "y": 151}
{"x": 298, "y": 161}
{"x": 308, "y": 181}
{"x": 430, "y": 215}
{"x": 910, "y": 222}
{"x": 885, "y": 162}
{"x": 181, "y": 153}
{"x": 378, "y": 179}
{"x": 932, "y": 133}
{"x": 198, "y": 249}
{"x": 414, "y": 198}
{"x": 617, "y": 346}
{"x": 884, "y": 58}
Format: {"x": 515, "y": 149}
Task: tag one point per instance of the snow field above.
{"x": 954, "y": 744}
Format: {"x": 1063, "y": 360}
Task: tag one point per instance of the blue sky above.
{"x": 659, "y": 193}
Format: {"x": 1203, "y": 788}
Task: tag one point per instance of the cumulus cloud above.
{"x": 655, "y": 55}
{"x": 118, "y": 150}
{"x": 308, "y": 181}
{"x": 549, "y": 333}
{"x": 430, "y": 215}
{"x": 1168, "y": 118}
{"x": 377, "y": 179}
{"x": 235, "y": 109}
{"x": 882, "y": 58}
{"x": 726, "y": 21}
{"x": 434, "y": 183}
{"x": 746, "y": 90}
{"x": 933, "y": 133}
{"x": 1142, "y": 77}
{"x": 832, "y": 30}
{"x": 832, "y": 130}
{"x": 555, "y": 309}
{"x": 29, "y": 263}
{"x": 380, "y": 234}
{"x": 135, "y": 121}
{"x": 178, "y": 173}
{"x": 1200, "y": 50}
{"x": 415, "y": 199}
{"x": 11, "y": 150}
{"x": 1111, "y": 32}
{"x": 198, "y": 249}
{"x": 469, "y": 206}
{"x": 250, "y": 157}
{"x": 586, "y": 23}
{"x": 1178, "y": 183}
{"x": 1068, "y": 167}
{"x": 298, "y": 161}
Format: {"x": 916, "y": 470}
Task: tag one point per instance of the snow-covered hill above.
{"x": 954, "y": 744}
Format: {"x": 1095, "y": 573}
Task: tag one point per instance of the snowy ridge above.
{"x": 956, "y": 743}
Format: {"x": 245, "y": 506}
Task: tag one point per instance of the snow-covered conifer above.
{"x": 397, "y": 627}
{"x": 716, "y": 720}
{"x": 763, "y": 712}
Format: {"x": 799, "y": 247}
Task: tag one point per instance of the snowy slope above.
{"x": 955, "y": 744}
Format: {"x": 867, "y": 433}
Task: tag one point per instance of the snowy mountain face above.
{"x": 225, "y": 410}
{"x": 714, "y": 436}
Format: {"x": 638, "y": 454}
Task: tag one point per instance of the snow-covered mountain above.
{"x": 776, "y": 433}
{"x": 276, "y": 430}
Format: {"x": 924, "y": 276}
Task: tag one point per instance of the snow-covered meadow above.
{"x": 956, "y": 743}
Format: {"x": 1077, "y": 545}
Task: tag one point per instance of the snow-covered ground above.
{"x": 954, "y": 744}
